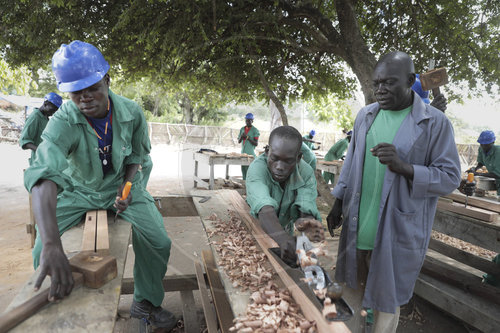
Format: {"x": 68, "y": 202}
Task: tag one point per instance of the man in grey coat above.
{"x": 401, "y": 158}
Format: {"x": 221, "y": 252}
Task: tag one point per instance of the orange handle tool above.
{"x": 470, "y": 177}
{"x": 126, "y": 190}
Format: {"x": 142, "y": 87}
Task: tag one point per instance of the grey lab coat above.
{"x": 425, "y": 140}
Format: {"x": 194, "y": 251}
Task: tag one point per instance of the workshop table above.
{"x": 212, "y": 159}
{"x": 330, "y": 166}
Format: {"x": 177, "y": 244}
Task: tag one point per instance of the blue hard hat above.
{"x": 486, "y": 137}
{"x": 312, "y": 133}
{"x": 53, "y": 98}
{"x": 78, "y": 65}
{"x": 349, "y": 133}
{"x": 417, "y": 87}
{"x": 249, "y": 115}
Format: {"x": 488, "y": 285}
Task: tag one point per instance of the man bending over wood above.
{"x": 281, "y": 191}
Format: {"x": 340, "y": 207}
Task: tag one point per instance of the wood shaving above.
{"x": 463, "y": 245}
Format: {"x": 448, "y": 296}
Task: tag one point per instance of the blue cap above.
{"x": 53, "y": 98}
{"x": 249, "y": 115}
{"x": 417, "y": 87}
{"x": 486, "y": 137}
{"x": 77, "y": 66}
{"x": 312, "y": 133}
{"x": 349, "y": 133}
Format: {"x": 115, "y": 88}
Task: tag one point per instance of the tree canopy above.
{"x": 280, "y": 50}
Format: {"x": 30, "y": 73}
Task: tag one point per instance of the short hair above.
{"x": 287, "y": 132}
{"x": 403, "y": 58}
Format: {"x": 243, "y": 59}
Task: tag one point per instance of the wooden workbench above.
{"x": 330, "y": 166}
{"x": 212, "y": 159}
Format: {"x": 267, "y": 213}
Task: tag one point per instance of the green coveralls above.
{"x": 70, "y": 144}
{"x": 308, "y": 155}
{"x": 298, "y": 196}
{"x": 309, "y": 145}
{"x": 335, "y": 153}
{"x": 247, "y": 147}
{"x": 492, "y": 162}
{"x": 32, "y": 131}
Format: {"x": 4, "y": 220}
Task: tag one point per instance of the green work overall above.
{"x": 492, "y": 162}
{"x": 32, "y": 131}
{"x": 70, "y": 145}
{"x": 335, "y": 153}
{"x": 247, "y": 147}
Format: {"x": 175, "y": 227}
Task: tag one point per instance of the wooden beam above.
{"x": 89, "y": 231}
{"x": 474, "y": 212}
{"x": 102, "y": 238}
{"x": 189, "y": 314}
{"x": 475, "y": 201}
{"x": 308, "y": 308}
{"x": 170, "y": 283}
{"x": 465, "y": 257}
{"x": 222, "y": 305}
{"x": 208, "y": 309}
{"x": 460, "y": 278}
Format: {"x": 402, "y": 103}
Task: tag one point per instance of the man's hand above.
{"x": 334, "y": 218}
{"x": 53, "y": 262}
{"x": 243, "y": 135}
{"x": 121, "y": 205}
{"x": 311, "y": 227}
{"x": 469, "y": 188}
{"x": 439, "y": 102}
{"x": 287, "y": 246}
{"x": 386, "y": 154}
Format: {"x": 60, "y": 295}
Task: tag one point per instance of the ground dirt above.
{"x": 172, "y": 174}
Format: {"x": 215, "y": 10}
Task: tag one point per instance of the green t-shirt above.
{"x": 383, "y": 129}
{"x": 491, "y": 161}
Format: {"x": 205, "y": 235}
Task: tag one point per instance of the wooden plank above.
{"x": 307, "y": 307}
{"x": 475, "y": 201}
{"x": 85, "y": 310}
{"x": 170, "y": 283}
{"x": 474, "y": 212}
{"x": 477, "y": 313}
{"x": 89, "y": 232}
{"x": 102, "y": 236}
{"x": 461, "y": 279}
{"x": 222, "y": 306}
{"x": 483, "y": 234}
{"x": 465, "y": 257}
{"x": 189, "y": 314}
{"x": 208, "y": 309}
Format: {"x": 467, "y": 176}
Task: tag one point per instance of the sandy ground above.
{"x": 172, "y": 174}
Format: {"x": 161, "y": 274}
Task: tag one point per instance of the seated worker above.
{"x": 281, "y": 192}
{"x": 36, "y": 122}
{"x": 308, "y": 140}
{"x": 249, "y": 138}
{"x": 439, "y": 101}
{"x": 98, "y": 139}
{"x": 488, "y": 155}
{"x": 336, "y": 152}
{"x": 308, "y": 156}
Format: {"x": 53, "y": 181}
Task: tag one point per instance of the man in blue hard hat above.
{"x": 36, "y": 122}
{"x": 308, "y": 140}
{"x": 99, "y": 139}
{"x": 336, "y": 152}
{"x": 488, "y": 155}
{"x": 439, "y": 101}
{"x": 249, "y": 138}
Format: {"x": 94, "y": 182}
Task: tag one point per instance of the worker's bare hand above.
{"x": 122, "y": 205}
{"x": 287, "y": 247}
{"x": 312, "y": 228}
{"x": 439, "y": 102}
{"x": 53, "y": 262}
{"x": 387, "y": 154}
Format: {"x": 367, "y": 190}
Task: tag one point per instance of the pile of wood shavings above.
{"x": 463, "y": 245}
{"x": 272, "y": 309}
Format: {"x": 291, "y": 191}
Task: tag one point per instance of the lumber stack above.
{"x": 478, "y": 208}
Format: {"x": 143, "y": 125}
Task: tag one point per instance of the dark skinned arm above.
{"x": 30, "y": 145}
{"x": 53, "y": 261}
{"x": 386, "y": 154}
{"x": 271, "y": 225}
{"x": 253, "y": 142}
{"x": 130, "y": 171}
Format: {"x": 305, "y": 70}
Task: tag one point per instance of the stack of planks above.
{"x": 479, "y": 208}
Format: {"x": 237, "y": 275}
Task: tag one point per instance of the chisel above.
{"x": 125, "y": 192}
{"x": 470, "y": 179}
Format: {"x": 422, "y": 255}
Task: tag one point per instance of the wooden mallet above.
{"x": 434, "y": 79}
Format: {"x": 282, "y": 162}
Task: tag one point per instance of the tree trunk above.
{"x": 275, "y": 116}
{"x": 187, "y": 110}
{"x": 270, "y": 93}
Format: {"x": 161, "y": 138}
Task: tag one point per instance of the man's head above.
{"x": 81, "y": 70}
{"x": 51, "y": 102}
{"x": 486, "y": 140}
{"x": 392, "y": 79}
{"x": 312, "y": 133}
{"x": 249, "y": 119}
{"x": 283, "y": 152}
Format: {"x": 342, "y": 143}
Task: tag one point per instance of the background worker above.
{"x": 308, "y": 156}
{"x": 488, "y": 155}
{"x": 439, "y": 101}
{"x": 281, "y": 192}
{"x": 336, "y": 152}
{"x": 308, "y": 140}
{"x": 401, "y": 159}
{"x": 36, "y": 122}
{"x": 98, "y": 140}
{"x": 249, "y": 138}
